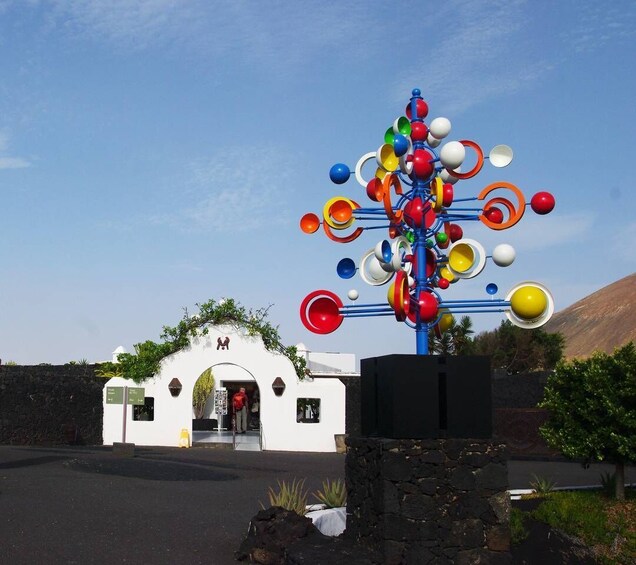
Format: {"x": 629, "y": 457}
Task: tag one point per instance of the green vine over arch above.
{"x": 145, "y": 362}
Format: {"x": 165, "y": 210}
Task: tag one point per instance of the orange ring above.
{"x": 478, "y": 165}
{"x": 391, "y": 180}
{"x": 515, "y": 213}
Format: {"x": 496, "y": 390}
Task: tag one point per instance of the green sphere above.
{"x": 441, "y": 237}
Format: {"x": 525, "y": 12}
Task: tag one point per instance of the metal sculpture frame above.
{"x": 426, "y": 251}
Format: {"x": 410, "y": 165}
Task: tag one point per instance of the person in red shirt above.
{"x": 239, "y": 403}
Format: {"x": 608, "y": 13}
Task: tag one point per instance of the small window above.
{"x": 308, "y": 410}
{"x": 145, "y": 412}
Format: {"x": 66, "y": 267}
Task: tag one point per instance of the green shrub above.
{"x": 518, "y": 531}
{"x": 289, "y": 496}
{"x": 332, "y": 495}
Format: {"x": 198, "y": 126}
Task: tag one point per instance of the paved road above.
{"x": 166, "y": 506}
{"x": 85, "y": 506}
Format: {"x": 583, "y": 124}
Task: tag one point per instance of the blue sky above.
{"x": 156, "y": 154}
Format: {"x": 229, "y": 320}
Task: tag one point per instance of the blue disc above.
{"x": 346, "y": 268}
{"x": 339, "y": 173}
{"x": 492, "y": 288}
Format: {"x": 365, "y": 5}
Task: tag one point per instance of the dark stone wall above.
{"x": 523, "y": 390}
{"x": 50, "y": 405}
{"x": 429, "y": 501}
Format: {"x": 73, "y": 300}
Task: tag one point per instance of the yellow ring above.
{"x": 327, "y": 210}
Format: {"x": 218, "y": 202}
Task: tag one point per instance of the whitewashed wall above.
{"x": 245, "y": 360}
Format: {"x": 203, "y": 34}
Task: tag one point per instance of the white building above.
{"x": 297, "y": 416}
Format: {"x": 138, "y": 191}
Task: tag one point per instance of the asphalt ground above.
{"x": 83, "y": 505}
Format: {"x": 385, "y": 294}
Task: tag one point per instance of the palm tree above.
{"x": 460, "y": 335}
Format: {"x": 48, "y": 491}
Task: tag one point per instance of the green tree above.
{"x": 455, "y": 340}
{"x": 592, "y": 406}
{"x": 519, "y": 350}
{"x": 201, "y": 392}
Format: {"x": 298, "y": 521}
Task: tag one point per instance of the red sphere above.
{"x": 428, "y": 306}
{"x": 423, "y": 165}
{"x": 431, "y": 263}
{"x": 421, "y": 108}
{"x": 419, "y": 131}
{"x": 495, "y": 215}
{"x": 455, "y": 232}
{"x": 443, "y": 283}
{"x": 414, "y": 213}
{"x": 542, "y": 203}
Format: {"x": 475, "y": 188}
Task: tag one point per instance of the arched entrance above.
{"x": 216, "y": 424}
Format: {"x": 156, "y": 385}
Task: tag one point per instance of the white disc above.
{"x": 500, "y": 156}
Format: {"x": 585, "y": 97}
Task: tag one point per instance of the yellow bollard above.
{"x": 184, "y": 439}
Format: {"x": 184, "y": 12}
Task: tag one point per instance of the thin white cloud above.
{"x": 279, "y": 35}
{"x": 535, "y": 232}
{"x": 600, "y": 23}
{"x": 13, "y": 163}
{"x": 490, "y": 50}
{"x": 225, "y": 194}
{"x": 472, "y": 63}
{"x": 7, "y": 161}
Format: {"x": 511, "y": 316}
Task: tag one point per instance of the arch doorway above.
{"x": 215, "y": 423}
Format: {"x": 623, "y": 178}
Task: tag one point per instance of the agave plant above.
{"x": 289, "y": 496}
{"x": 333, "y": 494}
{"x": 542, "y": 485}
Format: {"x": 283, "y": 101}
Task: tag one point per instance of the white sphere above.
{"x": 503, "y": 255}
{"x": 353, "y": 294}
{"x": 440, "y": 128}
{"x": 447, "y": 177}
{"x": 452, "y": 154}
{"x": 432, "y": 141}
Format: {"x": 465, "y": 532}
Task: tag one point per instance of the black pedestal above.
{"x": 426, "y": 396}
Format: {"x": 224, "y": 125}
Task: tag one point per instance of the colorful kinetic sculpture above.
{"x": 425, "y": 252}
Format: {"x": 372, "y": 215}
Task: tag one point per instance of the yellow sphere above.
{"x": 444, "y": 323}
{"x": 528, "y": 302}
{"x": 446, "y": 273}
{"x": 390, "y": 293}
